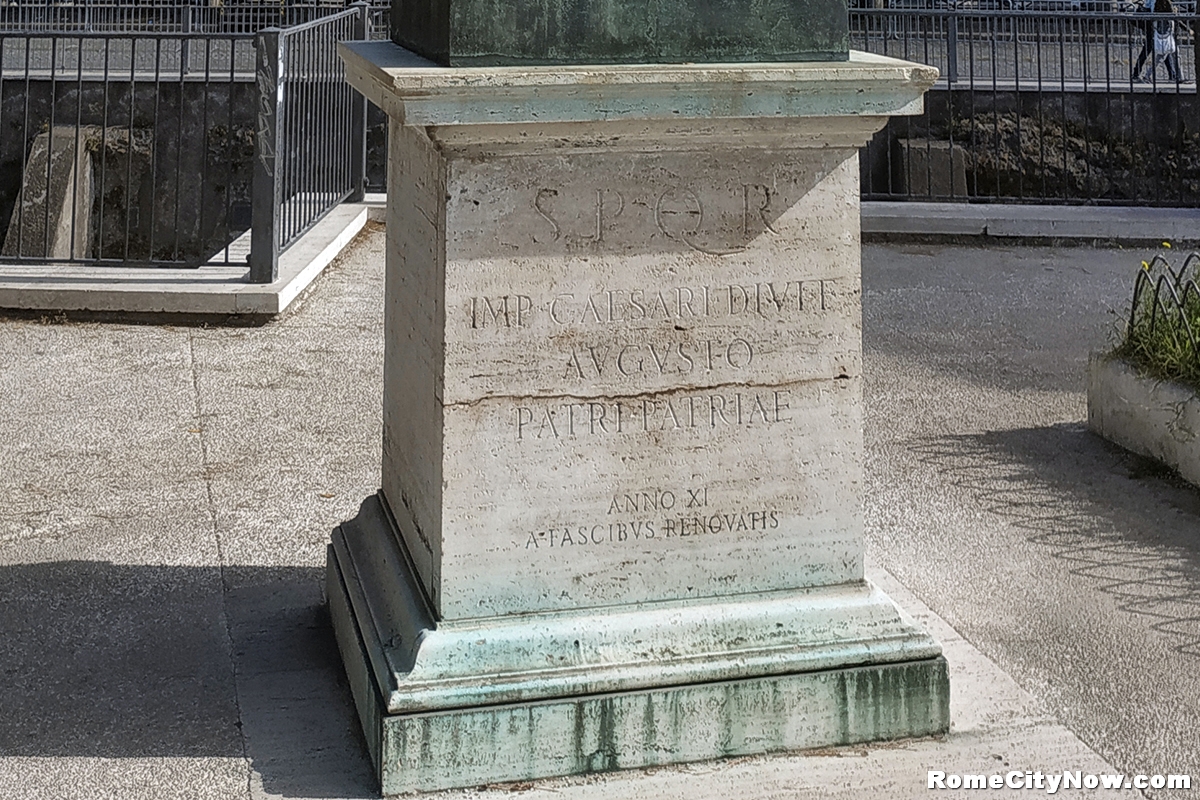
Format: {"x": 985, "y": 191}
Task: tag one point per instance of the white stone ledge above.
{"x": 208, "y": 289}
{"x": 418, "y": 92}
{"x": 1157, "y": 419}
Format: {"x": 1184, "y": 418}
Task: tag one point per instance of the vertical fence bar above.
{"x": 129, "y": 160}
{"x": 186, "y": 42}
{"x": 229, "y": 144}
{"x": 54, "y": 50}
{"x": 155, "y": 143}
{"x": 358, "y": 113}
{"x": 204, "y": 182}
{"x": 77, "y": 166}
{"x": 307, "y": 177}
{"x": 182, "y": 123}
{"x": 1195, "y": 48}
{"x": 265, "y": 189}
{"x": 952, "y": 47}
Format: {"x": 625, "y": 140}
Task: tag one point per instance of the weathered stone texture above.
{"x": 52, "y": 217}
{"x": 620, "y": 522}
{"x": 1154, "y": 418}
{"x": 668, "y": 360}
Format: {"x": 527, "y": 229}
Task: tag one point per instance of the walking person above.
{"x": 1147, "y": 42}
{"x": 1166, "y": 50}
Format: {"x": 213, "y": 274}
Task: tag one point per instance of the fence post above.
{"x": 358, "y": 115}
{"x": 952, "y": 47}
{"x": 266, "y": 191}
{"x": 185, "y": 44}
{"x": 1195, "y": 47}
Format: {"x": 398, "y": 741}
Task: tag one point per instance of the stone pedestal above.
{"x": 620, "y": 522}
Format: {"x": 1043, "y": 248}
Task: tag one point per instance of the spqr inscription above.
{"x": 609, "y": 204}
{"x": 678, "y": 213}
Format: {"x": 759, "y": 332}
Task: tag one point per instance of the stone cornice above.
{"x": 417, "y": 92}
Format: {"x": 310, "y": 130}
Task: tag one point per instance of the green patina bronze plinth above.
{"x": 477, "y": 33}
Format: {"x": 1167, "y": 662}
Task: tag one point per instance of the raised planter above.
{"x": 1154, "y": 418}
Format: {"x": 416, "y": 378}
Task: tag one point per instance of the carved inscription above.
{"x": 687, "y": 334}
{"x": 609, "y": 205}
{"x": 675, "y": 304}
{"x": 508, "y": 311}
{"x": 678, "y": 213}
{"x": 681, "y": 358}
{"x": 641, "y": 415}
{"x": 645, "y": 530}
{"x": 654, "y": 514}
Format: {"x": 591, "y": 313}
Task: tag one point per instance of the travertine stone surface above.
{"x": 733, "y": 712}
{"x": 620, "y": 521}
{"x": 642, "y": 371}
{"x": 414, "y": 321}
{"x": 866, "y": 89}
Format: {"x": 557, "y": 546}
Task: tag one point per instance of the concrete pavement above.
{"x": 166, "y": 494}
{"x": 1072, "y": 564}
{"x": 884, "y": 221}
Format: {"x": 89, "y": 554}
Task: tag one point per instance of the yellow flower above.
{"x": 1167, "y": 245}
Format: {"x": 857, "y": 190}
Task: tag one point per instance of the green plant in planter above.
{"x": 1163, "y": 334}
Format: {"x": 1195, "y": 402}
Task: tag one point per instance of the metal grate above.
{"x": 132, "y": 149}
{"x": 1164, "y": 319}
{"x": 1038, "y": 107}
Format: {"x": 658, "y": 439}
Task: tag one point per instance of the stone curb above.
{"x": 888, "y": 220}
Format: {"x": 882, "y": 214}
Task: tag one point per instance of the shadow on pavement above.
{"x": 1123, "y": 523}
{"x": 126, "y": 661}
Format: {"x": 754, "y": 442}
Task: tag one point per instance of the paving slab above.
{"x": 1068, "y": 561}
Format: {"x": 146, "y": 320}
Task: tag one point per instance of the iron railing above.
{"x": 164, "y": 149}
{"x": 127, "y": 16}
{"x": 124, "y": 148}
{"x": 310, "y": 150}
{"x": 1023, "y": 49}
{"x": 1037, "y": 106}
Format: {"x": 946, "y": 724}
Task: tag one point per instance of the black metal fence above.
{"x": 310, "y": 145}
{"x": 1024, "y": 48}
{"x": 1038, "y": 106}
{"x": 163, "y": 16}
{"x": 124, "y": 148}
{"x": 139, "y": 149}
{"x": 165, "y": 148}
